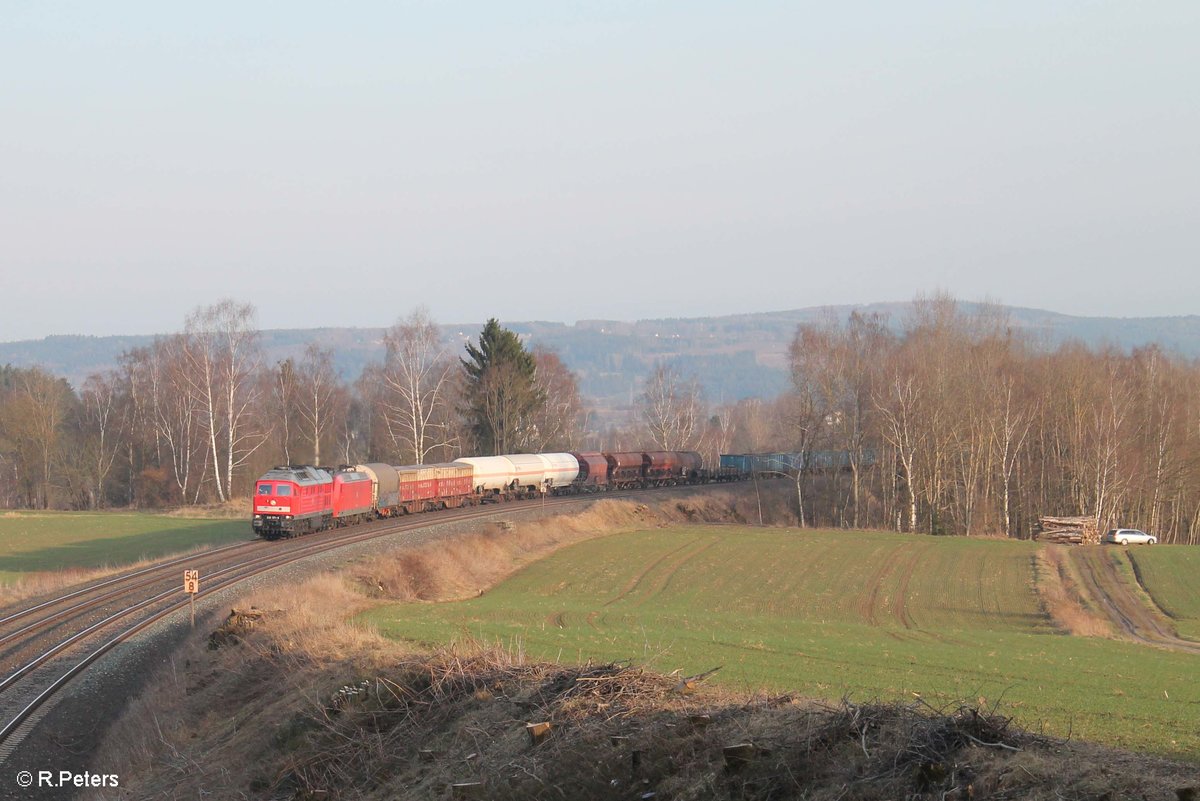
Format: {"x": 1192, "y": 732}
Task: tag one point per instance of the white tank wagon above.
{"x": 561, "y": 470}
{"x": 492, "y": 473}
{"x": 523, "y": 473}
{"x": 530, "y": 470}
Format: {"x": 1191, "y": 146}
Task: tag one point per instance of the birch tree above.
{"x": 316, "y": 392}
{"x": 223, "y": 354}
{"x": 415, "y": 377}
{"x": 104, "y": 418}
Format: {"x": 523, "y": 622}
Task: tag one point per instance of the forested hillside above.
{"x": 734, "y": 357}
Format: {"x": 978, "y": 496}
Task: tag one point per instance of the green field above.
{"x": 1171, "y": 575}
{"x": 41, "y": 541}
{"x": 827, "y": 614}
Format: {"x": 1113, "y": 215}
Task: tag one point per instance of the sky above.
{"x": 578, "y": 160}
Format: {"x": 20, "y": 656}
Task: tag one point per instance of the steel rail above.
{"x": 159, "y": 566}
{"x": 270, "y": 561}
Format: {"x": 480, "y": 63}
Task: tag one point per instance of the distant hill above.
{"x": 734, "y": 357}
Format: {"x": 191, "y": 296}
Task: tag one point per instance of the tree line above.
{"x": 197, "y": 415}
{"x": 961, "y": 424}
{"x": 953, "y": 423}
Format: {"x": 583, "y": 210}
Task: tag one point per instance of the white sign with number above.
{"x": 191, "y": 581}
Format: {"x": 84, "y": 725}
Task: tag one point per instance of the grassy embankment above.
{"x": 33, "y": 544}
{"x": 827, "y": 614}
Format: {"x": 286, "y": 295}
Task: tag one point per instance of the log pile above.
{"x": 1073, "y": 530}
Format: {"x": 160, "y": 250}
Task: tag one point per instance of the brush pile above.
{"x": 484, "y": 726}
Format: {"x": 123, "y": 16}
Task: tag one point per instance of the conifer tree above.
{"x": 501, "y": 394}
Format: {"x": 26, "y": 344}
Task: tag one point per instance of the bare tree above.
{"x": 415, "y": 374}
{"x": 1010, "y": 425}
{"x": 558, "y": 422}
{"x": 671, "y": 408}
{"x": 752, "y": 425}
{"x": 104, "y": 417}
{"x": 223, "y": 354}
{"x": 316, "y": 389}
{"x": 284, "y": 391}
{"x": 32, "y": 418}
{"x": 165, "y": 379}
{"x": 897, "y": 406}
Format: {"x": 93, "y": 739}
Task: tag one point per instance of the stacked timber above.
{"x": 1075, "y": 530}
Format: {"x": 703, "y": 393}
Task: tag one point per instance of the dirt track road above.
{"x": 1128, "y": 607}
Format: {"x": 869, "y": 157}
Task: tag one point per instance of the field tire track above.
{"x": 868, "y": 601}
{"x": 900, "y": 610}
{"x": 1127, "y": 612}
{"x": 691, "y": 552}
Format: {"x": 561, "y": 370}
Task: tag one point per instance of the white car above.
{"x": 1129, "y": 536}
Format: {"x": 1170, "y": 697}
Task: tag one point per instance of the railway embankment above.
{"x": 295, "y": 701}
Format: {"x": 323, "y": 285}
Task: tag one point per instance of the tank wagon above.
{"x": 293, "y": 500}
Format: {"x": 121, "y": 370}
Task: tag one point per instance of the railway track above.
{"x": 45, "y": 646}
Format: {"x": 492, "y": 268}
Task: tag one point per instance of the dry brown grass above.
{"x": 1062, "y": 596}
{"x": 54, "y": 582}
{"x": 190, "y": 729}
{"x": 233, "y": 509}
{"x": 313, "y": 624}
{"x": 243, "y": 722}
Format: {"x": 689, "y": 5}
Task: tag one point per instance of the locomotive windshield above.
{"x": 283, "y": 489}
{"x": 264, "y": 489}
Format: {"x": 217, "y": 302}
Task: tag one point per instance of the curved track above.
{"x": 45, "y": 645}
{"x": 1133, "y": 616}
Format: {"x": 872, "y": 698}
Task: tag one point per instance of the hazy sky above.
{"x": 562, "y": 160}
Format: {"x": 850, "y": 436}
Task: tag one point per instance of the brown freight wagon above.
{"x": 593, "y": 471}
{"x": 625, "y": 469}
{"x": 666, "y": 467}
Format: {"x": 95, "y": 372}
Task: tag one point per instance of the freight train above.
{"x": 294, "y": 500}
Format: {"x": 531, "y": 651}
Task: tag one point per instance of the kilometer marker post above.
{"x": 191, "y": 585}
